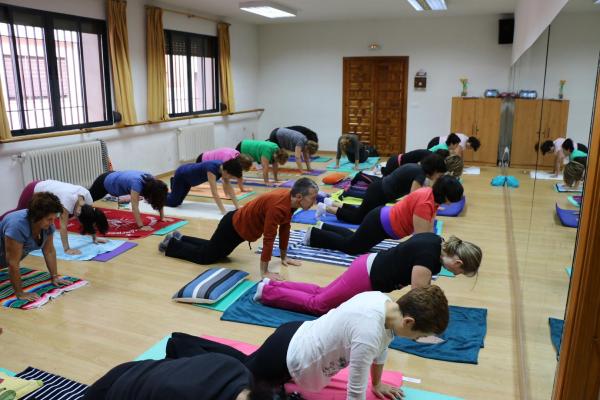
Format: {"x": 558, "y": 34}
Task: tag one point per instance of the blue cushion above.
{"x": 210, "y": 286}
{"x": 499, "y": 180}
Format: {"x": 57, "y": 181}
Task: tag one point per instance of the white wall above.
{"x": 301, "y": 79}
{"x": 150, "y": 148}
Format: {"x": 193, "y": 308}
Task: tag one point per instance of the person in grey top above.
{"x": 355, "y": 151}
{"x": 295, "y": 141}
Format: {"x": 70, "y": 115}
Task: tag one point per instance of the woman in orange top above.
{"x": 413, "y": 214}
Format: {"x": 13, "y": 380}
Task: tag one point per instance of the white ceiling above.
{"x": 332, "y": 10}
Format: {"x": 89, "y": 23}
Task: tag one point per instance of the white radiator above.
{"x": 195, "y": 139}
{"x": 79, "y": 164}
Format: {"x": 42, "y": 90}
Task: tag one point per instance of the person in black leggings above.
{"x": 402, "y": 181}
{"x": 411, "y": 157}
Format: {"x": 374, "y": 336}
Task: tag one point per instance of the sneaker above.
{"x": 177, "y": 235}
{"x": 321, "y": 210}
{"x": 328, "y": 201}
{"x": 162, "y": 246}
{"x": 306, "y": 240}
{"x": 259, "y": 290}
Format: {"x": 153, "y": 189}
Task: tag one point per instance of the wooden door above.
{"x": 374, "y": 104}
{"x": 555, "y": 115}
{"x": 487, "y": 130}
{"x": 464, "y": 111}
{"x": 526, "y": 133}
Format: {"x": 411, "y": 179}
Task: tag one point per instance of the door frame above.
{"x": 346, "y": 60}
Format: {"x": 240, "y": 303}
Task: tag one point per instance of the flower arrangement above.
{"x": 464, "y": 82}
{"x": 561, "y": 88}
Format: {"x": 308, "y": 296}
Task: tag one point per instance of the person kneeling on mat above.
{"x": 412, "y": 262}
{"x": 292, "y": 140}
{"x": 413, "y": 214}
{"x": 264, "y": 153}
{"x": 356, "y": 152}
{"x": 411, "y": 157}
{"x": 263, "y": 216}
{"x": 225, "y": 154}
{"x": 189, "y": 175}
{"x": 355, "y": 335}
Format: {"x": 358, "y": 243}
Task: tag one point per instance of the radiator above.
{"x": 79, "y": 164}
{"x": 195, "y": 139}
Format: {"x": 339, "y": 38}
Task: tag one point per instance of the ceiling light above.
{"x": 429, "y": 5}
{"x": 267, "y": 9}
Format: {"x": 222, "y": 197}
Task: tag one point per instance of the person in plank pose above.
{"x": 225, "y": 154}
{"x": 562, "y": 148}
{"x": 24, "y": 231}
{"x": 263, "y": 216}
{"x": 456, "y": 143}
{"x": 402, "y": 181}
{"x": 76, "y": 201}
{"x": 264, "y": 153}
{"x": 411, "y": 157}
{"x": 413, "y": 214}
{"x": 189, "y": 175}
{"x": 356, "y": 152}
{"x": 295, "y": 141}
{"x": 355, "y": 335}
{"x": 412, "y": 262}
{"x": 135, "y": 184}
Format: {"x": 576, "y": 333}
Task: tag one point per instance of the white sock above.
{"x": 259, "y": 289}
{"x": 306, "y": 240}
{"x": 328, "y": 201}
{"x": 321, "y": 210}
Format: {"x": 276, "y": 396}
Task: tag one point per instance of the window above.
{"x": 192, "y": 86}
{"x": 54, "y": 71}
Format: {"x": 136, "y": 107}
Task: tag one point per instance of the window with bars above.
{"x": 192, "y": 73}
{"x": 54, "y": 71}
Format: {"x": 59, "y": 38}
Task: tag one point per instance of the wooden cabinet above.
{"x": 478, "y": 117}
{"x": 536, "y": 121}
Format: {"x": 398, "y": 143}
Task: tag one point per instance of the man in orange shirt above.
{"x": 263, "y": 216}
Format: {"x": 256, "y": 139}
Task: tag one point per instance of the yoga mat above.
{"x": 562, "y": 188}
{"x": 203, "y": 190}
{"x": 7, "y": 372}
{"x": 292, "y": 158}
{"x": 194, "y": 209}
{"x": 418, "y": 394}
{"x": 34, "y": 281}
{"x": 452, "y": 209}
{"x": 55, "y": 387}
{"x": 347, "y": 166}
{"x": 122, "y": 224}
{"x": 116, "y": 252}
{"x": 462, "y": 340}
{"x": 575, "y": 200}
{"x": 288, "y": 184}
{"x": 556, "y": 330}
{"x": 544, "y": 175}
{"x": 170, "y": 228}
{"x": 230, "y": 298}
{"x": 249, "y": 181}
{"x": 568, "y": 218}
{"x": 158, "y": 351}
{"x": 446, "y": 273}
{"x": 290, "y": 171}
{"x": 569, "y": 271}
{"x": 85, "y": 244}
{"x": 471, "y": 171}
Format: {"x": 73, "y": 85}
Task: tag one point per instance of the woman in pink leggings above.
{"x": 412, "y": 262}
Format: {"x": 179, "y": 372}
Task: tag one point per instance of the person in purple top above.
{"x": 190, "y": 175}
{"x": 135, "y": 184}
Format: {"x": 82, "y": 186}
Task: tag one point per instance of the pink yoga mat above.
{"x": 336, "y": 388}
{"x": 112, "y": 254}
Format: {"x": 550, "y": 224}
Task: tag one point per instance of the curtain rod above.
{"x": 187, "y": 14}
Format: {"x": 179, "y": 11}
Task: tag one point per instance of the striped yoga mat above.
{"x": 55, "y": 387}
{"x": 300, "y": 251}
{"x": 34, "y": 281}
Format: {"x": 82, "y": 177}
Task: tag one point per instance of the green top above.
{"x": 576, "y": 154}
{"x": 441, "y": 146}
{"x": 258, "y": 149}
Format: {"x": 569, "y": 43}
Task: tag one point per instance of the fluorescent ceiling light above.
{"x": 429, "y": 5}
{"x": 267, "y": 9}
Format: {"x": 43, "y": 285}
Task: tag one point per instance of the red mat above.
{"x": 121, "y": 224}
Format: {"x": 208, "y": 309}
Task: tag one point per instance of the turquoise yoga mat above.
{"x": 569, "y": 271}
{"x": 347, "y": 166}
{"x": 445, "y": 272}
{"x": 418, "y": 394}
{"x": 230, "y": 298}
{"x": 7, "y": 371}
{"x": 158, "y": 351}
{"x": 170, "y": 228}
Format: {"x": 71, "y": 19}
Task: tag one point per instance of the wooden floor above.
{"x": 127, "y": 307}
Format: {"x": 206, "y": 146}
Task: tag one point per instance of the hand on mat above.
{"x": 146, "y": 228}
{"x": 384, "y": 391}
{"x": 27, "y": 296}
{"x": 72, "y": 251}
{"x": 274, "y": 276}
{"x": 166, "y": 219}
{"x": 56, "y": 281}
{"x": 290, "y": 261}
{"x": 100, "y": 240}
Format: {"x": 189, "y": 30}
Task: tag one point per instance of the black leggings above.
{"x": 100, "y": 388}
{"x": 433, "y": 142}
{"x": 363, "y": 154}
{"x": 268, "y": 363}
{"x": 273, "y": 137}
{"x": 369, "y": 233}
{"x": 239, "y": 147}
{"x": 202, "y": 251}
{"x": 390, "y": 165}
{"x": 373, "y": 198}
{"x": 582, "y": 147}
{"x": 97, "y": 190}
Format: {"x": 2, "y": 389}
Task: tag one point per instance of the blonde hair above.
{"x": 281, "y": 156}
{"x": 312, "y": 147}
{"x": 455, "y": 165}
{"x": 345, "y": 143}
{"x": 573, "y": 173}
{"x": 470, "y": 254}
{"x": 245, "y": 161}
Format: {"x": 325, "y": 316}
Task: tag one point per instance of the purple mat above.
{"x": 112, "y": 254}
{"x": 313, "y": 172}
{"x": 568, "y": 218}
{"x": 452, "y": 209}
{"x": 288, "y": 184}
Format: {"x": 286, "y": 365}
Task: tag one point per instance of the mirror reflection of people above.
{"x": 24, "y": 231}
{"x": 563, "y": 150}
{"x": 456, "y": 143}
{"x": 574, "y": 172}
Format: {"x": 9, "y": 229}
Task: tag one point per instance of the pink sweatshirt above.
{"x": 223, "y": 154}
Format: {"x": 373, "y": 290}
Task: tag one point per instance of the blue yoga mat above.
{"x": 347, "y": 166}
{"x": 562, "y": 188}
{"x": 556, "y": 330}
{"x": 452, "y": 209}
{"x": 82, "y": 243}
{"x": 464, "y": 336}
{"x": 568, "y": 218}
